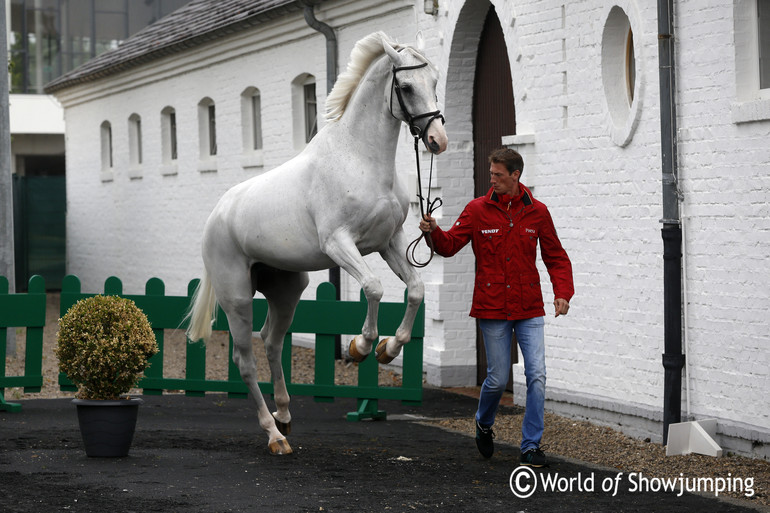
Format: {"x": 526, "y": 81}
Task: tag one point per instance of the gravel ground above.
{"x": 565, "y": 437}
{"x": 606, "y": 447}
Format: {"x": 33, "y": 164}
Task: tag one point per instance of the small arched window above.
{"x": 251, "y": 119}
{"x": 135, "y": 139}
{"x": 168, "y": 135}
{"x": 304, "y": 109}
{"x": 105, "y": 131}
{"x": 207, "y": 128}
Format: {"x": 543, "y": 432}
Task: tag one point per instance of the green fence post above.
{"x": 113, "y": 286}
{"x": 23, "y": 311}
{"x": 155, "y": 292}
{"x": 33, "y": 360}
{"x": 70, "y": 294}
{"x": 324, "y": 346}
{"x": 4, "y": 406}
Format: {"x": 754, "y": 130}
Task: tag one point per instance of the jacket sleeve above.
{"x": 556, "y": 260}
{"x": 448, "y": 243}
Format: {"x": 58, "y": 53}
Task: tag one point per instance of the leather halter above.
{"x": 417, "y": 133}
{"x": 411, "y": 120}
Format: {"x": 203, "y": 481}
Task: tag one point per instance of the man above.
{"x": 504, "y": 228}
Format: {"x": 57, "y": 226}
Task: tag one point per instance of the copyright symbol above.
{"x": 523, "y": 482}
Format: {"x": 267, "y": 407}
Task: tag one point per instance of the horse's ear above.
{"x": 420, "y": 43}
{"x": 395, "y": 57}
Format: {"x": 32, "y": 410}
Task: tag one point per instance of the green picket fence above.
{"x": 325, "y": 317}
{"x": 22, "y": 311}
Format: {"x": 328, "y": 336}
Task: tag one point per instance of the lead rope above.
{"x": 429, "y": 208}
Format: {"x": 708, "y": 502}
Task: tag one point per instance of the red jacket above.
{"x": 504, "y": 232}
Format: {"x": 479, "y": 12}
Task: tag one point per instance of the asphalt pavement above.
{"x": 208, "y": 454}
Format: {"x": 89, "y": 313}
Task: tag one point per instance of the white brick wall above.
{"x": 605, "y": 198}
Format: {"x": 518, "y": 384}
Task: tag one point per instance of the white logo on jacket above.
{"x": 487, "y": 232}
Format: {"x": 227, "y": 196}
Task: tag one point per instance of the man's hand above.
{"x": 561, "y": 306}
{"x": 428, "y": 224}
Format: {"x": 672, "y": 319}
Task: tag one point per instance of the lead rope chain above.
{"x": 429, "y": 208}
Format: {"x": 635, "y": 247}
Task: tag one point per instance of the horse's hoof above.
{"x": 280, "y": 447}
{"x": 382, "y": 355}
{"x": 283, "y": 427}
{"x": 354, "y": 354}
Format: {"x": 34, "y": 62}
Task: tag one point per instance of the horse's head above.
{"x": 412, "y": 96}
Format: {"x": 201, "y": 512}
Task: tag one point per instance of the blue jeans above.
{"x": 498, "y": 335}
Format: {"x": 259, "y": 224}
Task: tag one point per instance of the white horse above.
{"x": 338, "y": 200}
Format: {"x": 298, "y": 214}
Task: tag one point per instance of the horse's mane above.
{"x": 364, "y": 53}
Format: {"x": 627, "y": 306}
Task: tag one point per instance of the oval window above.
{"x": 620, "y": 77}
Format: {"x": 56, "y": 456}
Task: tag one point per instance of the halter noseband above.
{"x": 411, "y": 120}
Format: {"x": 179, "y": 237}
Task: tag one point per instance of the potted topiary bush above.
{"x": 103, "y": 345}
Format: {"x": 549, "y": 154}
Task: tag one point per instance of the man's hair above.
{"x": 509, "y": 158}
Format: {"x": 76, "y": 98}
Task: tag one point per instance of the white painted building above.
{"x": 585, "y": 93}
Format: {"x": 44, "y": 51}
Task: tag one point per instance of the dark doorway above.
{"x": 39, "y": 200}
{"x": 493, "y": 117}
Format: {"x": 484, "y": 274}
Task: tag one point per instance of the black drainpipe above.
{"x": 331, "y": 79}
{"x": 673, "y": 359}
{"x": 331, "y": 41}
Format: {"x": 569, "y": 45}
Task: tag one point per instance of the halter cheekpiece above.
{"x": 417, "y": 133}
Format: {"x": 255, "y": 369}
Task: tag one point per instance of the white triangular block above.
{"x": 696, "y": 436}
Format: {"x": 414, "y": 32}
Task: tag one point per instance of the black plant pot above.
{"x": 107, "y": 427}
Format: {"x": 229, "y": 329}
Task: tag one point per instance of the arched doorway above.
{"x": 493, "y": 117}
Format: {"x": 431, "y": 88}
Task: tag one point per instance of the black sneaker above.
{"x": 534, "y": 458}
{"x": 484, "y": 437}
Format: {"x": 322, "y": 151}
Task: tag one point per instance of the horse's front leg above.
{"x": 341, "y": 248}
{"x": 395, "y": 256}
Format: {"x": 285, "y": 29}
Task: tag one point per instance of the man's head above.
{"x": 505, "y": 167}
{"x": 508, "y": 158}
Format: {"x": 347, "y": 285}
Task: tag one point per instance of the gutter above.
{"x": 331, "y": 41}
{"x": 673, "y": 358}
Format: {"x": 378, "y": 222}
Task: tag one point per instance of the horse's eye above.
{"x": 406, "y": 88}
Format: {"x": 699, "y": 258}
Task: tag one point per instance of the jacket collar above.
{"x": 525, "y": 196}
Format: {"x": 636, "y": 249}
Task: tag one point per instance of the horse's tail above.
{"x": 201, "y": 313}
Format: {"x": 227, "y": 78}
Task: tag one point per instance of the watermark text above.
{"x": 525, "y": 482}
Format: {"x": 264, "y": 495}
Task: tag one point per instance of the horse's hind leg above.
{"x": 282, "y": 289}
{"x": 235, "y": 295}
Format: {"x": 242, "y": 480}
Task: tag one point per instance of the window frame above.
{"x": 107, "y": 152}
{"x": 135, "y": 140}
{"x": 169, "y": 141}
{"x": 207, "y": 136}
{"x": 251, "y": 127}
{"x": 752, "y": 103}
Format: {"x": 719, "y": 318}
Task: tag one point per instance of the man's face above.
{"x": 503, "y": 181}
